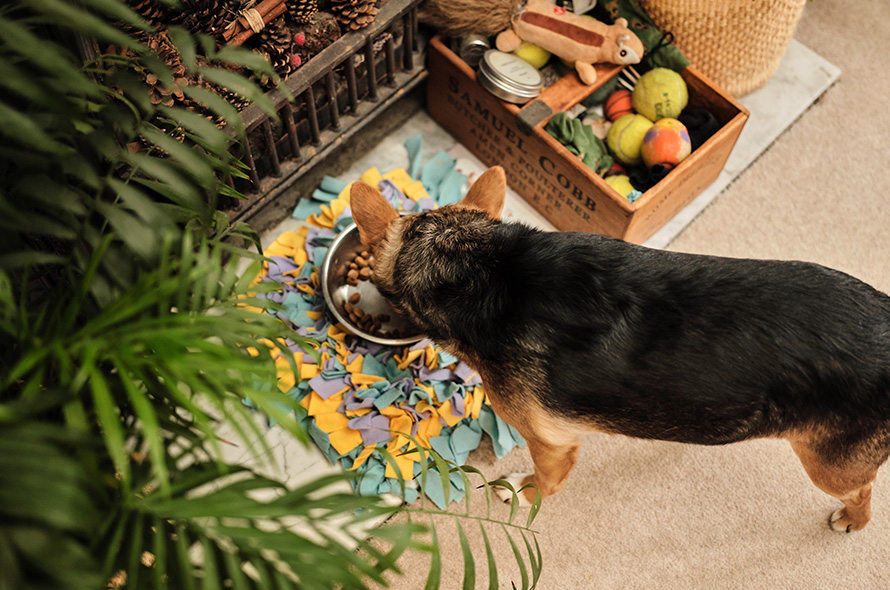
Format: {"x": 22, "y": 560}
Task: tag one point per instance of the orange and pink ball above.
{"x": 666, "y": 143}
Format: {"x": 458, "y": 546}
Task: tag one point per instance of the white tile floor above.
{"x": 801, "y": 78}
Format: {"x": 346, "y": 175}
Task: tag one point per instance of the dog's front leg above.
{"x": 552, "y": 441}
{"x": 553, "y": 462}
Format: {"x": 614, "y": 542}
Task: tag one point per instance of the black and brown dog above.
{"x": 575, "y": 332}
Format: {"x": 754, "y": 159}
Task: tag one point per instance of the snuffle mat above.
{"x": 362, "y": 396}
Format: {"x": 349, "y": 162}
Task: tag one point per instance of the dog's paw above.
{"x": 506, "y": 496}
{"x": 840, "y": 522}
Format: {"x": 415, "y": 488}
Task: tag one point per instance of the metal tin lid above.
{"x": 472, "y": 48}
{"x": 509, "y": 77}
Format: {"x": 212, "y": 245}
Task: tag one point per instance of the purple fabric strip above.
{"x": 357, "y": 403}
{"x": 373, "y": 427}
{"x": 421, "y": 345}
{"x": 426, "y": 203}
{"x": 425, "y": 374}
{"x": 457, "y": 406}
{"x": 391, "y": 193}
{"x": 278, "y": 265}
{"x": 406, "y": 384}
{"x": 327, "y": 387}
{"x": 467, "y": 374}
{"x": 417, "y": 416}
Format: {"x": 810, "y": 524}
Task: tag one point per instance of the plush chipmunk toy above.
{"x": 581, "y": 40}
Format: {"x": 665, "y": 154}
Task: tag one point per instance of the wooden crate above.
{"x": 553, "y": 180}
{"x": 328, "y": 100}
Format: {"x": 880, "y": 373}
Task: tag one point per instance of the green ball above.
{"x": 660, "y": 93}
{"x": 621, "y": 183}
{"x": 626, "y": 137}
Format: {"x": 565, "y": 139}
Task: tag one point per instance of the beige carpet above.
{"x": 638, "y": 514}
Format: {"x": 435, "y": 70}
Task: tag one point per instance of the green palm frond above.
{"x": 48, "y": 507}
{"x": 432, "y": 464}
{"x": 229, "y": 525}
{"x": 129, "y": 337}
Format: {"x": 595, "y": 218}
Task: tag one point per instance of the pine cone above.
{"x": 165, "y": 49}
{"x": 276, "y": 42}
{"x": 284, "y": 65}
{"x": 319, "y": 34}
{"x": 276, "y": 37}
{"x": 154, "y": 12}
{"x": 210, "y": 17}
{"x": 159, "y": 94}
{"x": 303, "y": 11}
{"x": 161, "y": 44}
{"x": 354, "y": 14}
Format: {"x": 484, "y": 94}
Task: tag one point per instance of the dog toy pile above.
{"x": 364, "y": 396}
{"x": 639, "y": 135}
{"x": 649, "y": 128}
{"x": 635, "y": 130}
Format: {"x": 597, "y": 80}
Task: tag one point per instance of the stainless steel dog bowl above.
{"x": 337, "y": 292}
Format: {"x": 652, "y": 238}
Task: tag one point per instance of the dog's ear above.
{"x": 488, "y": 192}
{"x": 371, "y": 213}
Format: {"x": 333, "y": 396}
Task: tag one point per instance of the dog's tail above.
{"x": 458, "y": 18}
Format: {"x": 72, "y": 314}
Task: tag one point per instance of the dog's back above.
{"x": 658, "y": 344}
{"x": 576, "y": 331}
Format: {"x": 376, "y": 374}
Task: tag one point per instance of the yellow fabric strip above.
{"x": 362, "y": 457}
{"x": 372, "y": 177}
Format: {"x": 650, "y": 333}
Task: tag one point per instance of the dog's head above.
{"x": 421, "y": 261}
{"x": 373, "y": 214}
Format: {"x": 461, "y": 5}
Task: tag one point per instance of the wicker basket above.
{"x": 736, "y": 43}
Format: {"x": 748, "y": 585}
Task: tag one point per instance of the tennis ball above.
{"x": 626, "y": 136}
{"x": 660, "y": 93}
{"x": 666, "y": 143}
{"x": 621, "y": 183}
{"x": 618, "y": 104}
{"x": 531, "y": 53}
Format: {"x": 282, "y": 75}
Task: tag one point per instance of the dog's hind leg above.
{"x": 845, "y": 472}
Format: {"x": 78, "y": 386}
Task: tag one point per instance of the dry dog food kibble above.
{"x": 369, "y": 323}
{"x": 360, "y": 268}
{"x": 352, "y": 277}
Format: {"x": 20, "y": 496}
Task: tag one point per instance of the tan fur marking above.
{"x": 385, "y": 252}
{"x": 552, "y": 441}
{"x": 552, "y": 467}
{"x": 488, "y": 192}
{"x": 371, "y": 213}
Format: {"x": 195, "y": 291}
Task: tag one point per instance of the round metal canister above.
{"x": 472, "y": 48}
{"x": 509, "y": 77}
